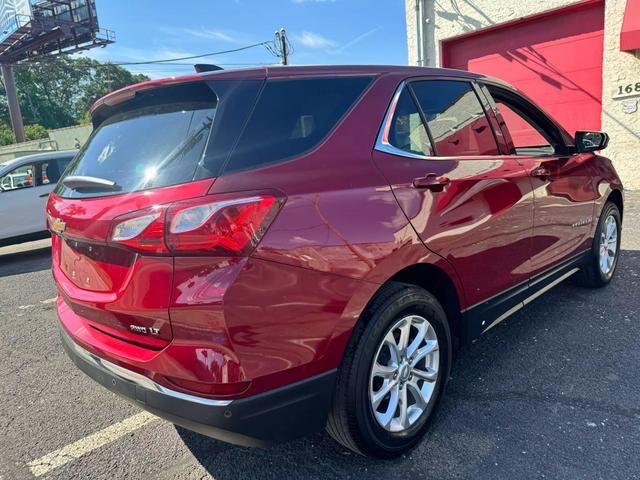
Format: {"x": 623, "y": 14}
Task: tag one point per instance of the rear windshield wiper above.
{"x": 77, "y": 182}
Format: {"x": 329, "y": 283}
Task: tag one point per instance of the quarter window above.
{"x": 293, "y": 117}
{"x": 407, "y": 131}
{"x": 455, "y": 117}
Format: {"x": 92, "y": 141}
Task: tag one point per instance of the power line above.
{"x": 168, "y": 61}
{"x": 164, "y": 65}
{"x": 280, "y": 47}
{"x": 191, "y": 64}
{"x": 193, "y": 56}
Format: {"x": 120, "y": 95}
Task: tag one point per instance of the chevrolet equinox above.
{"x": 259, "y": 254}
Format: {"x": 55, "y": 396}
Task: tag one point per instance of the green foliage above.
{"x": 31, "y": 132}
{"x": 107, "y": 77}
{"x": 6, "y": 134}
{"x": 86, "y": 118}
{"x": 35, "y": 132}
{"x": 58, "y": 93}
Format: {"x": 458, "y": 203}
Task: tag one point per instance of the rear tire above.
{"x": 605, "y": 250}
{"x": 393, "y": 373}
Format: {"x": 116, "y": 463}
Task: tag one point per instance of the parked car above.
{"x": 25, "y": 184}
{"x": 258, "y": 254}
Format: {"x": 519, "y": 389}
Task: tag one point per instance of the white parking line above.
{"x": 88, "y": 444}
{"x": 42, "y": 302}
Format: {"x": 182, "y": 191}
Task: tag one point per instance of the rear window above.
{"x": 292, "y": 117}
{"x": 174, "y": 135}
{"x": 146, "y": 148}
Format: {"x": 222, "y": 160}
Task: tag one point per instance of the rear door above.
{"x": 564, "y": 192}
{"x": 467, "y": 201}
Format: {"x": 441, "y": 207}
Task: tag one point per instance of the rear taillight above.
{"x": 198, "y": 226}
{"x": 234, "y": 225}
{"x": 142, "y": 230}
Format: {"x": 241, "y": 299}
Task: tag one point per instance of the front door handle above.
{"x": 432, "y": 182}
{"x": 541, "y": 172}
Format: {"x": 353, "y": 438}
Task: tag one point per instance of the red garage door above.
{"x": 555, "y": 58}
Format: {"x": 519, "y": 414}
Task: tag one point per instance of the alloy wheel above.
{"x": 404, "y": 373}
{"x": 608, "y": 245}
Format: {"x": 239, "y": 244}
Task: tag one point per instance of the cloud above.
{"x": 117, "y": 54}
{"x": 314, "y": 40}
{"x": 356, "y": 40}
{"x": 232, "y": 37}
{"x": 318, "y": 42}
{"x": 214, "y": 34}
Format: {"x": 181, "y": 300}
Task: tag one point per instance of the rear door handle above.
{"x": 432, "y": 182}
{"x": 541, "y": 172}
{"x": 43, "y": 195}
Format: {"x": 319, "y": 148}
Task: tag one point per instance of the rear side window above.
{"x": 455, "y": 117}
{"x": 51, "y": 170}
{"x": 292, "y": 117}
{"x": 407, "y": 131}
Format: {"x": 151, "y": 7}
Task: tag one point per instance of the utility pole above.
{"x": 12, "y": 101}
{"x": 281, "y": 39}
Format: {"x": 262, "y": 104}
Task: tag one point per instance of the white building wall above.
{"x": 620, "y": 68}
{"x": 444, "y": 19}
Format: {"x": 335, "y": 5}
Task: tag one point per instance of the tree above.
{"x": 6, "y": 134}
{"x": 35, "y": 132}
{"x": 58, "y": 93}
{"x": 106, "y": 78}
{"x": 31, "y": 132}
{"x": 49, "y": 93}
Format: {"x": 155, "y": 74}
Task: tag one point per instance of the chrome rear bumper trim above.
{"x": 135, "y": 378}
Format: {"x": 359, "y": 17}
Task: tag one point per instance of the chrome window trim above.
{"x": 135, "y": 378}
{"x": 382, "y": 142}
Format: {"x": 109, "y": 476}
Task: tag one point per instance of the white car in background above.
{"x": 25, "y": 184}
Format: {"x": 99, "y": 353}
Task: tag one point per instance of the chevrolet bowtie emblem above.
{"x": 58, "y": 226}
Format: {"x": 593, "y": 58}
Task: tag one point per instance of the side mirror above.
{"x": 591, "y": 141}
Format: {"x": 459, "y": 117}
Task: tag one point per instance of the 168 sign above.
{"x": 629, "y": 89}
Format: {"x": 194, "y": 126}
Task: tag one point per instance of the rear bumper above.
{"x": 275, "y": 416}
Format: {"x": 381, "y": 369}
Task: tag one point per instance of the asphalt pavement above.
{"x": 552, "y": 392}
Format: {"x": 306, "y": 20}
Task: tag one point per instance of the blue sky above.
{"x": 321, "y": 31}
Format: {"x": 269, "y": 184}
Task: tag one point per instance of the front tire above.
{"x": 605, "y": 251}
{"x": 393, "y": 373}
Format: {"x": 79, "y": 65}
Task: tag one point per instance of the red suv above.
{"x": 258, "y": 254}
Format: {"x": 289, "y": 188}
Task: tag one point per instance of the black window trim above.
{"x": 551, "y": 128}
{"x": 382, "y": 143}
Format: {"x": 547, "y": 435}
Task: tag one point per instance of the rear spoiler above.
{"x": 206, "y": 67}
